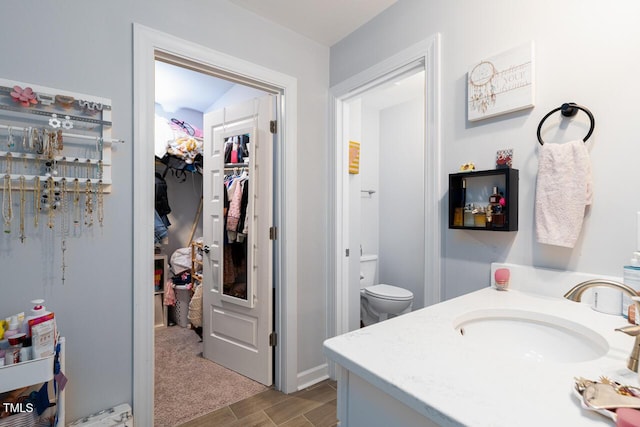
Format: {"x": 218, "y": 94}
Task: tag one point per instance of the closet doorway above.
{"x": 214, "y": 150}
{"x": 149, "y": 45}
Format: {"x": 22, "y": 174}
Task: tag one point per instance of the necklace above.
{"x": 36, "y": 200}
{"x": 88, "y": 205}
{"x": 64, "y": 225}
{"x": 22, "y": 205}
{"x": 100, "y": 203}
{"x": 52, "y": 200}
{"x": 76, "y": 202}
{"x": 7, "y": 210}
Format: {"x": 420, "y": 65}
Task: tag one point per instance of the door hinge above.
{"x": 273, "y": 126}
{"x": 273, "y": 339}
{"x": 273, "y": 233}
{"x": 346, "y": 252}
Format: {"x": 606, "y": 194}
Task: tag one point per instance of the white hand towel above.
{"x": 564, "y": 190}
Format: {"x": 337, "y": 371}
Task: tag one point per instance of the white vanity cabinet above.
{"x": 362, "y": 404}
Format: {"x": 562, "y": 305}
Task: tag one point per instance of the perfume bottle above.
{"x": 496, "y": 204}
{"x": 458, "y": 211}
{"x": 468, "y": 215}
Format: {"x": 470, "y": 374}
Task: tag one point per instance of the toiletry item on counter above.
{"x": 631, "y": 277}
{"x": 502, "y": 276}
{"x": 43, "y": 337}
{"x": 38, "y": 311}
{"x": 607, "y": 300}
{"x": 13, "y": 327}
{"x": 627, "y": 417}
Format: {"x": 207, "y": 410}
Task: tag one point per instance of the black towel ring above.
{"x": 569, "y": 110}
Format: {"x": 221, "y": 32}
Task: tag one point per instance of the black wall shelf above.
{"x": 478, "y": 186}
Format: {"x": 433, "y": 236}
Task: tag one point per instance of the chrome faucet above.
{"x": 575, "y": 294}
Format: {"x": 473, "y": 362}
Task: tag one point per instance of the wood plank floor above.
{"x": 312, "y": 407}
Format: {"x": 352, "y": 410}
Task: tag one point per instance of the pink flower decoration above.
{"x": 25, "y": 96}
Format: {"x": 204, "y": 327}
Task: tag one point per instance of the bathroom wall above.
{"x": 370, "y": 180}
{"x": 585, "y": 52}
{"x": 402, "y": 198}
{"x": 87, "y": 47}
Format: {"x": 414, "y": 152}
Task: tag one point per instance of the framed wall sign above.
{"x": 501, "y": 84}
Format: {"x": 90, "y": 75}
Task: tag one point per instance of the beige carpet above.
{"x": 187, "y": 385}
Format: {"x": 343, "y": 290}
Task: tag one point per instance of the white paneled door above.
{"x": 237, "y": 264}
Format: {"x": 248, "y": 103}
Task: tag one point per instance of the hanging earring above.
{"x": 54, "y": 121}
{"x": 67, "y": 123}
{"x": 10, "y": 141}
{"x": 99, "y": 147}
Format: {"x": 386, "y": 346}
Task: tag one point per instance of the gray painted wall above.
{"x": 402, "y": 198}
{"x": 594, "y": 67}
{"x": 87, "y": 47}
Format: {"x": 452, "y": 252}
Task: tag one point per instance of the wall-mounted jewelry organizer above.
{"x": 49, "y": 133}
{"x": 56, "y": 145}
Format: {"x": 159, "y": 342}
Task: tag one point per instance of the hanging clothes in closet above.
{"x": 236, "y": 149}
{"x": 236, "y": 186}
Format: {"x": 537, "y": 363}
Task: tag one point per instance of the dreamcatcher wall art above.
{"x": 501, "y": 84}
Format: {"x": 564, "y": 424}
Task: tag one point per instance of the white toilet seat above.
{"x": 389, "y": 292}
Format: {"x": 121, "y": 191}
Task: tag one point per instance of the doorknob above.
{"x": 206, "y": 249}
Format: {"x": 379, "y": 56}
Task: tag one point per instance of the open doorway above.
{"x": 149, "y": 44}
{"x": 188, "y": 384}
{"x": 346, "y": 239}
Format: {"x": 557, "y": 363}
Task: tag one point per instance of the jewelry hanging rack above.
{"x": 569, "y": 109}
{"x": 65, "y": 134}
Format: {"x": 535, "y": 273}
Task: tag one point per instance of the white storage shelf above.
{"x": 25, "y": 374}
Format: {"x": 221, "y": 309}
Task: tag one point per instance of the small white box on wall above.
{"x": 501, "y": 84}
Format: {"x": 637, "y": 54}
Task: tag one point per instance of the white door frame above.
{"x": 427, "y": 52}
{"x": 147, "y": 43}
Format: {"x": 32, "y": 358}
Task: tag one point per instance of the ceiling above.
{"x": 325, "y": 21}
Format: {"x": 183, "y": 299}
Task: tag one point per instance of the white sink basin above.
{"x": 529, "y": 336}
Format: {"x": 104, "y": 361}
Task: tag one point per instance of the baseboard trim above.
{"x": 313, "y": 376}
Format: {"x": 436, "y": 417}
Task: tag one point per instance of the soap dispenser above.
{"x": 38, "y": 311}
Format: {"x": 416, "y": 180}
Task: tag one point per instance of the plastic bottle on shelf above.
{"x": 631, "y": 277}
{"x": 38, "y": 311}
{"x": 13, "y": 327}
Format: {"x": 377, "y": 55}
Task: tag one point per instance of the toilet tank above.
{"x": 368, "y": 266}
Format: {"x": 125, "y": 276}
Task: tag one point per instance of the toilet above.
{"x": 378, "y": 302}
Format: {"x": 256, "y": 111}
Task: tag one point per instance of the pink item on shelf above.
{"x": 628, "y": 417}
{"x": 502, "y": 278}
{"x": 26, "y": 97}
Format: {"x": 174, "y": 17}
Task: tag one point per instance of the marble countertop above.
{"x": 423, "y": 361}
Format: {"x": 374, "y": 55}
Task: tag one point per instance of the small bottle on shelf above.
{"x": 496, "y": 202}
{"x": 458, "y": 212}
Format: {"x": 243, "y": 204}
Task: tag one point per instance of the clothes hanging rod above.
{"x": 66, "y": 134}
